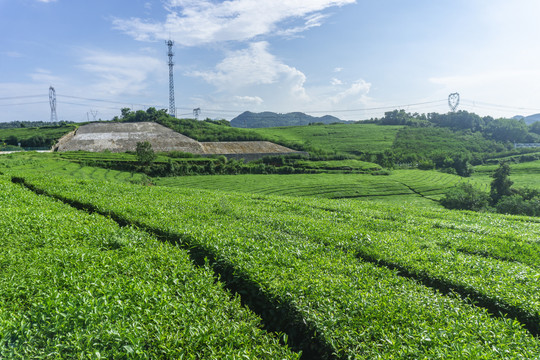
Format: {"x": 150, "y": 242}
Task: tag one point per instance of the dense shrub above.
{"x": 465, "y": 197}
{"x": 517, "y": 205}
{"x": 145, "y": 153}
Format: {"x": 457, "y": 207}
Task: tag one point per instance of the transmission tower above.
{"x": 453, "y": 101}
{"x": 196, "y": 113}
{"x": 94, "y": 114}
{"x": 172, "y": 107}
{"x": 52, "y": 102}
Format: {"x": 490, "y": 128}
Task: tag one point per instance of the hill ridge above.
{"x": 249, "y": 119}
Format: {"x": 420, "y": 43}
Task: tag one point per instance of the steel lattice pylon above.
{"x": 172, "y": 106}
{"x": 453, "y": 101}
{"x": 52, "y": 102}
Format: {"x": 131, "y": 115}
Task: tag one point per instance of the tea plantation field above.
{"x": 55, "y": 163}
{"x": 526, "y": 174}
{"x": 343, "y": 279}
{"x": 339, "y": 138}
{"x": 75, "y": 285}
{"x": 422, "y": 187}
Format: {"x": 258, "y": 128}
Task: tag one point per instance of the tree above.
{"x": 12, "y": 140}
{"x": 501, "y": 184}
{"x": 465, "y": 197}
{"x": 535, "y": 127}
{"x": 125, "y": 112}
{"x": 396, "y": 117}
{"x": 35, "y": 142}
{"x": 145, "y": 153}
{"x": 507, "y": 130}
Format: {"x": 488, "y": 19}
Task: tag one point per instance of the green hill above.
{"x": 347, "y": 139}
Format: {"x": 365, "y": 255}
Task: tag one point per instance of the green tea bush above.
{"x": 74, "y": 285}
{"x": 331, "y": 270}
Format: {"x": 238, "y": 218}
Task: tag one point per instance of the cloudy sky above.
{"x": 351, "y": 59}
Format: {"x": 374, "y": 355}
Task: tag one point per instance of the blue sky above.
{"x": 351, "y": 59}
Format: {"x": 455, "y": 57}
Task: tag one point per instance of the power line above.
{"x": 27, "y": 103}
{"x": 21, "y": 97}
{"x": 379, "y": 108}
{"x": 97, "y": 100}
{"x": 497, "y": 106}
{"x": 364, "y": 112}
{"x": 125, "y": 103}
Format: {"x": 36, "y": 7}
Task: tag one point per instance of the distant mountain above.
{"x": 532, "y": 118}
{"x": 528, "y": 119}
{"x": 270, "y": 119}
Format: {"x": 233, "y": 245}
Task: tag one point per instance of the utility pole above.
{"x": 172, "y": 106}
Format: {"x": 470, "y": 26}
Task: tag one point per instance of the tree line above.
{"x": 502, "y": 198}
{"x": 512, "y": 130}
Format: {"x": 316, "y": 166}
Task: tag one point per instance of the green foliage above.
{"x": 36, "y": 141}
{"x": 518, "y": 205}
{"x": 507, "y": 130}
{"x": 460, "y": 120}
{"x": 523, "y": 201}
{"x": 504, "y": 198}
{"x": 501, "y": 184}
{"x": 465, "y": 197}
{"x": 358, "y": 140}
{"x": 12, "y": 140}
{"x": 535, "y": 127}
{"x": 398, "y": 187}
{"x": 57, "y": 163}
{"x": 340, "y": 165}
{"x": 145, "y": 153}
{"x": 35, "y": 124}
{"x": 400, "y": 117}
{"x": 33, "y": 136}
{"x": 524, "y": 174}
{"x": 222, "y": 122}
{"x": 426, "y": 164}
{"x": 325, "y": 264}
{"x": 208, "y": 130}
{"x": 75, "y": 286}
{"x": 447, "y": 149}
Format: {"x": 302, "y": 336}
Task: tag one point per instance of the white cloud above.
{"x": 355, "y": 94}
{"x": 336, "y": 81}
{"x": 311, "y": 21}
{"x": 196, "y": 22}
{"x": 255, "y": 66}
{"x": 120, "y": 73}
{"x": 338, "y": 69}
{"x": 46, "y": 1}
{"x": 247, "y": 101}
